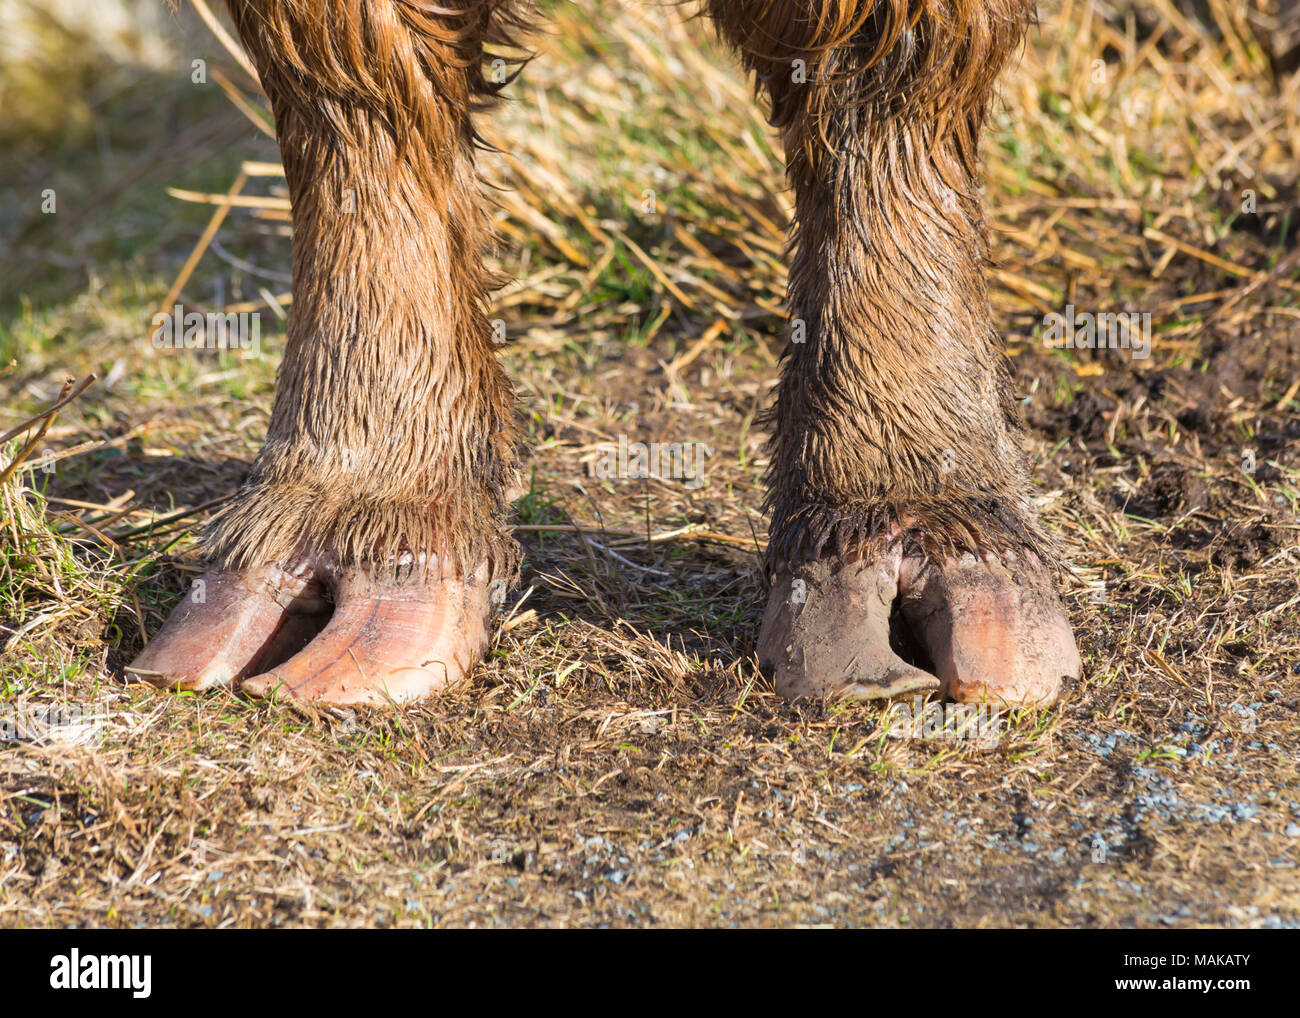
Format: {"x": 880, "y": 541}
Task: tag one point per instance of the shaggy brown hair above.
{"x": 895, "y": 413}
{"x": 393, "y": 425}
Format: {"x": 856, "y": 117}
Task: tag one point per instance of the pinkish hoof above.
{"x": 228, "y": 623}
{"x": 387, "y": 643}
{"x": 994, "y": 628}
{"x": 272, "y": 633}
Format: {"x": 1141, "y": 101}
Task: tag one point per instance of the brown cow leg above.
{"x": 898, "y": 489}
{"x": 382, "y": 487}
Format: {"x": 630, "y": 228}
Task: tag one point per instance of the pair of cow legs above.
{"x": 360, "y": 559}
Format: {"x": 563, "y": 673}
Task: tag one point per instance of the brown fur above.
{"x": 389, "y": 354}
{"x": 902, "y": 374}
{"x": 394, "y": 425}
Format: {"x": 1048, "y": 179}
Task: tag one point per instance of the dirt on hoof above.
{"x": 826, "y": 632}
{"x": 980, "y": 629}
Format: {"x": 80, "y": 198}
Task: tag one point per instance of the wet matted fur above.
{"x": 393, "y": 426}
{"x": 895, "y": 411}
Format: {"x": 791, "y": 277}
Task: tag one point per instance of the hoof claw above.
{"x": 272, "y": 634}
{"x": 993, "y": 629}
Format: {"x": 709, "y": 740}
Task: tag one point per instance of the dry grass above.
{"x": 618, "y": 761}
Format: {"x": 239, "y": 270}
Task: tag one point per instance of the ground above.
{"x": 618, "y": 760}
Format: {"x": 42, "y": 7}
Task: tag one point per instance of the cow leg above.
{"x": 897, "y": 486}
{"x": 382, "y": 487}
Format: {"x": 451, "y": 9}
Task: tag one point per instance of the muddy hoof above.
{"x": 826, "y": 633}
{"x": 992, "y": 629}
{"x": 272, "y": 632}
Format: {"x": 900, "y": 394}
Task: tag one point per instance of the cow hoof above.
{"x": 230, "y": 622}
{"x": 992, "y": 628}
{"x": 826, "y": 632}
{"x": 272, "y": 633}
